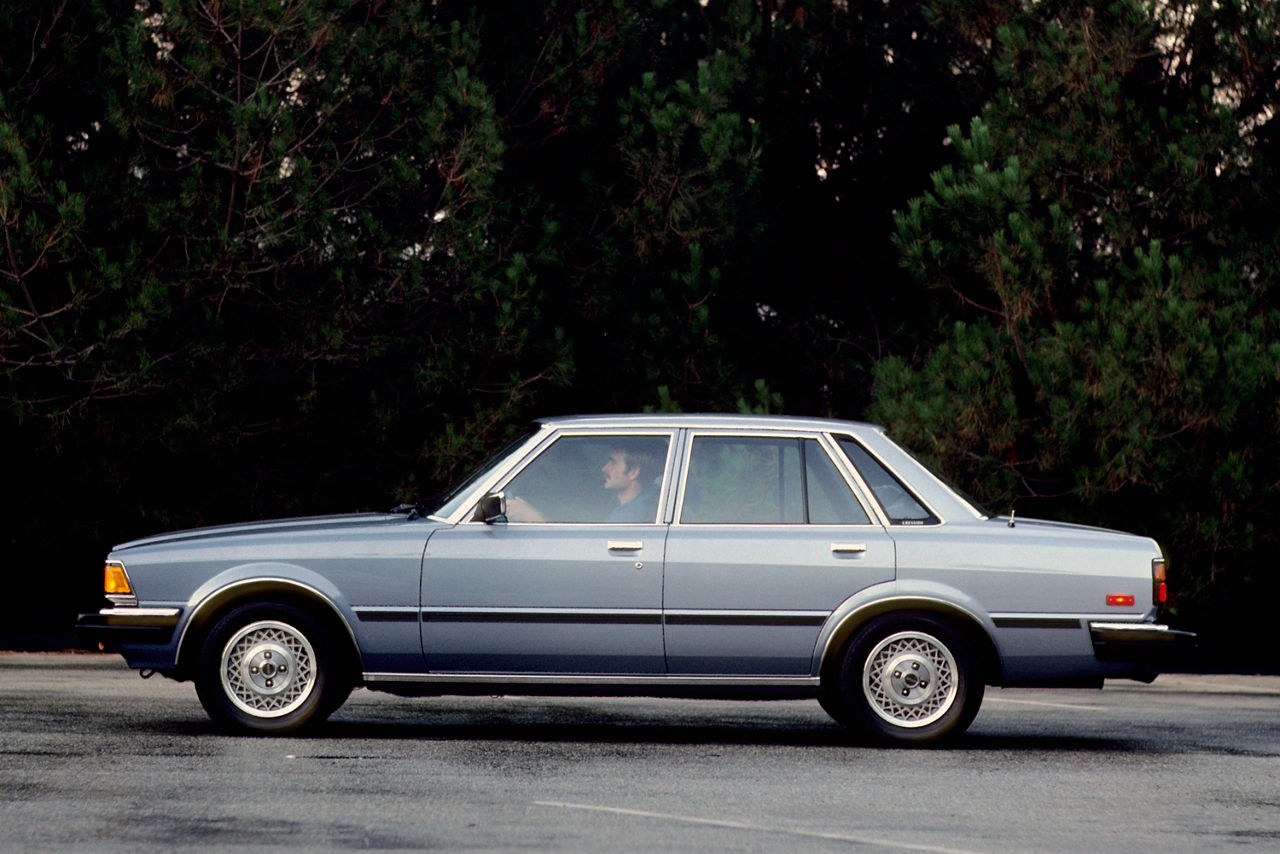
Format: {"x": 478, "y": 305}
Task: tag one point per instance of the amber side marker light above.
{"x": 115, "y": 581}
{"x": 1121, "y": 600}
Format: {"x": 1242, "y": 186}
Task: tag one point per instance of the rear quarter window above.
{"x": 899, "y": 503}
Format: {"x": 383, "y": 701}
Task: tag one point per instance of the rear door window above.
{"x": 766, "y": 480}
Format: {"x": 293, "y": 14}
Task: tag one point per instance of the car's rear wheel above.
{"x": 908, "y": 679}
{"x": 269, "y": 668}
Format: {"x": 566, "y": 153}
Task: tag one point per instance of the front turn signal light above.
{"x": 115, "y": 581}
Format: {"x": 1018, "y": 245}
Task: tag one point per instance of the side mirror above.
{"x": 492, "y": 508}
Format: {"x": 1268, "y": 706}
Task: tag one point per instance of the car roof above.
{"x": 708, "y": 420}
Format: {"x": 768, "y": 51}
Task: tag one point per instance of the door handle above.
{"x": 625, "y": 545}
{"x": 848, "y": 548}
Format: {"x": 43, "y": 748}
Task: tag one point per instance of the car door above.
{"x": 571, "y": 581}
{"x": 769, "y": 539}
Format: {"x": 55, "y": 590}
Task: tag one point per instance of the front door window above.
{"x": 591, "y": 479}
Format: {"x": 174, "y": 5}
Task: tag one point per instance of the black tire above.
{"x": 909, "y": 679}
{"x": 832, "y": 702}
{"x": 269, "y": 668}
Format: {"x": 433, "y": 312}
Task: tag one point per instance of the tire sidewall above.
{"x": 968, "y": 684}
{"x": 213, "y": 694}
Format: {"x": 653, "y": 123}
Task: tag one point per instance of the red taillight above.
{"x": 1159, "y": 589}
{"x": 1121, "y": 600}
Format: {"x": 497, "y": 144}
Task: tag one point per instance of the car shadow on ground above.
{"x": 618, "y": 731}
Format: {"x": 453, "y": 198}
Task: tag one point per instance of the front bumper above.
{"x": 1148, "y": 644}
{"x": 113, "y": 626}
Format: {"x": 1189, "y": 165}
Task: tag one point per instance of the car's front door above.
{"x": 769, "y": 540}
{"x": 571, "y": 581}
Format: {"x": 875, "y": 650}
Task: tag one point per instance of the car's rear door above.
{"x": 769, "y": 539}
{"x": 570, "y": 584}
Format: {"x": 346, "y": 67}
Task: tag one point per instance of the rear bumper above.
{"x": 1148, "y": 644}
{"x": 114, "y": 626}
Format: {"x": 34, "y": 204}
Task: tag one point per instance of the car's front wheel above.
{"x": 909, "y": 679}
{"x": 269, "y": 668}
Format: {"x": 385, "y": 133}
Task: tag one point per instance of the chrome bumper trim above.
{"x": 137, "y": 617}
{"x": 1150, "y": 644}
{"x": 1136, "y": 631}
{"x": 112, "y": 626}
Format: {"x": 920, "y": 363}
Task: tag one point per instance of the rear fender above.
{"x": 891, "y": 598}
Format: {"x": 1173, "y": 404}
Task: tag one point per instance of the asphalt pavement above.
{"x": 92, "y": 758}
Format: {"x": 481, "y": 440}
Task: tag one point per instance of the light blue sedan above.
{"x": 661, "y": 555}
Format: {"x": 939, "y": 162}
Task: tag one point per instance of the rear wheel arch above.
{"x": 957, "y": 618}
{"x": 907, "y": 678}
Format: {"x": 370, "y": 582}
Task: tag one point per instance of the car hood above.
{"x": 306, "y": 524}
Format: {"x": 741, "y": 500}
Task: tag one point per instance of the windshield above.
{"x": 453, "y": 498}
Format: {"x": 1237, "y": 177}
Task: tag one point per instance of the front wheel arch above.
{"x": 277, "y": 591}
{"x": 270, "y": 667}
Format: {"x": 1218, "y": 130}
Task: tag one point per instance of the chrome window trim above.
{"x": 850, "y": 473}
{"x": 875, "y": 519}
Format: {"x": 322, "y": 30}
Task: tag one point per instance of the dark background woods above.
{"x": 273, "y": 258}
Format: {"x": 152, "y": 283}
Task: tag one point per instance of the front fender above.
{"x": 261, "y": 581}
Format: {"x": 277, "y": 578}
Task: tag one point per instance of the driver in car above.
{"x": 633, "y": 473}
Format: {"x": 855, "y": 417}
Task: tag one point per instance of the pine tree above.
{"x": 1102, "y": 255}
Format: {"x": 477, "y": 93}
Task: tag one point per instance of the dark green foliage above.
{"x": 264, "y": 258}
{"x": 1104, "y": 251}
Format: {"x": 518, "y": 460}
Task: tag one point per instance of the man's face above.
{"x": 617, "y": 476}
